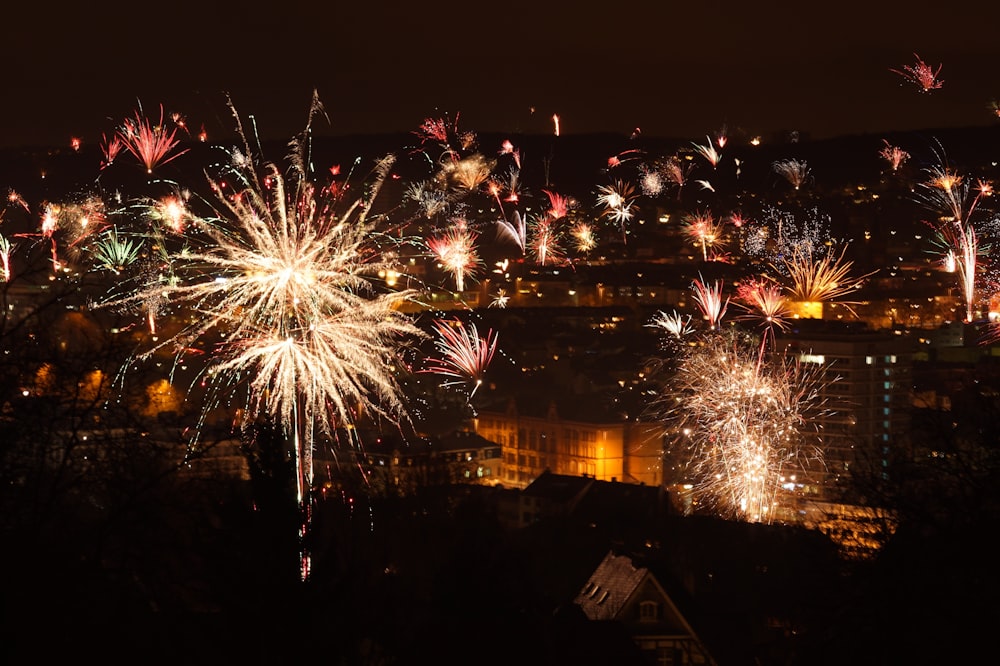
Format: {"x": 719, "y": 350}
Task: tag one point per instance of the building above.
{"x": 621, "y": 591}
{"x": 532, "y": 443}
{"x": 398, "y": 465}
{"x": 865, "y": 387}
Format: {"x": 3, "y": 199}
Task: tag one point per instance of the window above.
{"x": 649, "y": 611}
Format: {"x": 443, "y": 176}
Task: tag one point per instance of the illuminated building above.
{"x": 866, "y": 393}
{"x": 532, "y": 443}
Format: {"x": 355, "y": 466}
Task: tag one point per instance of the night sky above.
{"x": 669, "y": 69}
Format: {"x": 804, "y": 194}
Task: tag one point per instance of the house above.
{"x": 621, "y": 591}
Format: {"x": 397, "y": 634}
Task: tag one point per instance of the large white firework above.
{"x": 738, "y": 425}
{"x": 281, "y": 285}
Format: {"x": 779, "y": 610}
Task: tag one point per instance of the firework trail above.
{"x": 738, "y": 426}
{"x": 282, "y": 289}
{"x": 465, "y": 354}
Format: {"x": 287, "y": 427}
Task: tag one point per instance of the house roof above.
{"x": 558, "y": 487}
{"x": 610, "y": 587}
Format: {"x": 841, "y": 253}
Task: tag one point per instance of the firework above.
{"x": 737, "y": 426}
{"x": 764, "y": 301}
{"x": 456, "y": 250}
{"x": 500, "y": 300}
{"x": 894, "y": 155}
{"x": 796, "y": 172}
{"x": 6, "y": 247}
{"x": 111, "y": 147}
{"x": 516, "y": 231}
{"x": 583, "y": 237}
{"x": 708, "y": 298}
{"x": 817, "y": 279}
{"x": 705, "y": 230}
{"x": 774, "y": 234}
{"x": 617, "y": 199}
{"x": 709, "y": 152}
{"x": 558, "y": 205}
{"x": 151, "y": 144}
{"x": 287, "y": 283}
{"x": 675, "y": 324}
{"x": 962, "y": 253}
{"x": 921, "y": 74}
{"x": 113, "y": 252}
{"x": 464, "y": 354}
{"x": 545, "y": 244}
{"x": 466, "y": 174}
{"x": 676, "y": 171}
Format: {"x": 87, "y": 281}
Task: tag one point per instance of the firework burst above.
{"x": 456, "y": 250}
{"x": 465, "y": 355}
{"x": 737, "y": 427}
{"x": 921, "y": 74}
{"x": 285, "y": 282}
{"x": 817, "y": 279}
{"x": 153, "y": 144}
{"x": 708, "y": 298}
{"x": 796, "y": 172}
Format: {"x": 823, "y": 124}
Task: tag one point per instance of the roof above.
{"x": 610, "y": 587}
{"x": 558, "y": 487}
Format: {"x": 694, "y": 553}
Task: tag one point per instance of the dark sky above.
{"x": 668, "y": 68}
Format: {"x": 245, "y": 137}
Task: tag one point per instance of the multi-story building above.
{"x": 533, "y": 441}
{"x": 864, "y": 386}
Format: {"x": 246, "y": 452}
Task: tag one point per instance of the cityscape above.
{"x": 451, "y": 396}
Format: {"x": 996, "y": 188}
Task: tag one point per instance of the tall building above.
{"x": 866, "y": 382}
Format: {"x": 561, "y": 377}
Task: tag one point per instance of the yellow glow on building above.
{"x": 806, "y": 309}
